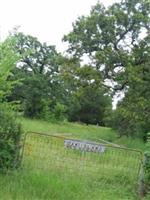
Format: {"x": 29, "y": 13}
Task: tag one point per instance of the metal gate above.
{"x": 100, "y": 163}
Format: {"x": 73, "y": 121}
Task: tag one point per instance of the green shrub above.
{"x": 147, "y": 167}
{"x": 60, "y": 112}
{"x": 147, "y": 173}
{"x": 10, "y": 135}
{"x": 127, "y": 123}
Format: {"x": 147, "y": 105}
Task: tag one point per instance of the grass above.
{"x": 38, "y": 185}
{"x": 51, "y": 173}
{"x": 82, "y": 131}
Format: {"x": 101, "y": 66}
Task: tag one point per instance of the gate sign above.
{"x": 84, "y": 146}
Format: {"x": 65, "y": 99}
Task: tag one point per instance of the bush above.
{"x": 147, "y": 167}
{"x": 60, "y": 112}
{"x": 127, "y": 123}
{"x": 10, "y": 135}
{"x": 52, "y": 113}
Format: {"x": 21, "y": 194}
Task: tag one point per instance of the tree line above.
{"x": 48, "y": 85}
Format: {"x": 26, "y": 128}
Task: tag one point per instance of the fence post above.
{"x": 144, "y": 176}
{"x": 141, "y": 184}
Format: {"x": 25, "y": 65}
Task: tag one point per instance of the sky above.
{"x": 48, "y": 20}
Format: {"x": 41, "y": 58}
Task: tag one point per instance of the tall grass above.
{"x": 82, "y": 131}
{"x": 52, "y": 181}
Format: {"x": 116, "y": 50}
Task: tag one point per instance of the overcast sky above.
{"x": 48, "y": 20}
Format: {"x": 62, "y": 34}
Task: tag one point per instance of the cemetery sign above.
{"x": 84, "y": 146}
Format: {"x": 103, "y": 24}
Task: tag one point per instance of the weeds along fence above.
{"x": 96, "y": 164}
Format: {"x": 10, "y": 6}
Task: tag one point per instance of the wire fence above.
{"x": 97, "y": 163}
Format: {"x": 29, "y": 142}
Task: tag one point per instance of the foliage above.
{"x": 147, "y": 168}
{"x": 54, "y": 87}
{"x": 108, "y": 35}
{"x": 87, "y": 96}
{"x": 33, "y": 95}
{"x": 59, "y": 112}
{"x": 38, "y": 70}
{"x": 132, "y": 116}
{"x": 127, "y": 122}
{"x": 36, "y": 57}
{"x": 116, "y": 41}
{"x": 147, "y": 172}
{"x": 7, "y": 62}
{"x": 83, "y": 109}
{"x": 10, "y": 130}
{"x": 10, "y": 135}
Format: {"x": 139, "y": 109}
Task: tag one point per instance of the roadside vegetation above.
{"x": 52, "y": 183}
{"x": 43, "y": 90}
